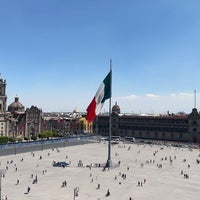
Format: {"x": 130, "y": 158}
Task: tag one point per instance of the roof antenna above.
{"x": 194, "y": 98}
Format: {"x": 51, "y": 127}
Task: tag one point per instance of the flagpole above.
{"x": 109, "y": 161}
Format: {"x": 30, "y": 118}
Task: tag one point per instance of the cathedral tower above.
{"x": 3, "y": 97}
{"x": 4, "y": 124}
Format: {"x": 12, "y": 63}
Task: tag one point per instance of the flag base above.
{"x": 109, "y": 163}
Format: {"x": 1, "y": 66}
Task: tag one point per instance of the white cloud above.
{"x": 152, "y": 95}
{"x": 130, "y": 97}
{"x": 186, "y": 94}
{"x": 181, "y": 94}
{"x": 172, "y": 95}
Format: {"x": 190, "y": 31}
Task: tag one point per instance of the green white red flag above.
{"x": 103, "y": 93}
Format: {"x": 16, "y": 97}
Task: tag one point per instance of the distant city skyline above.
{"x": 55, "y": 54}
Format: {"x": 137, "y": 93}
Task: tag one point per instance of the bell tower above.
{"x": 3, "y": 97}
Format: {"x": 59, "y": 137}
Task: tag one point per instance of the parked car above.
{"x": 60, "y": 164}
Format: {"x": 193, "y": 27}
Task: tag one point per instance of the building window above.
{"x": 140, "y": 133}
{"x": 147, "y": 134}
{"x": 163, "y": 134}
{"x": 194, "y": 129}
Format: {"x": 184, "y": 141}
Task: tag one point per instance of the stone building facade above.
{"x": 180, "y": 127}
{"x": 34, "y": 123}
{"x": 16, "y": 121}
{"x": 4, "y": 126}
{"x": 24, "y": 123}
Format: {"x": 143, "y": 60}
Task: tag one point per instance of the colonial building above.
{"x": 174, "y": 127}
{"x": 34, "y": 123}
{"x": 25, "y": 123}
{"x": 16, "y": 106}
{"x": 16, "y": 121}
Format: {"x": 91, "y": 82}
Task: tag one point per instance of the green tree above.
{"x": 11, "y": 139}
{"x": 3, "y": 139}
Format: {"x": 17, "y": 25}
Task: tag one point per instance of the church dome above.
{"x": 16, "y": 106}
{"x": 75, "y": 110}
{"x": 116, "y": 108}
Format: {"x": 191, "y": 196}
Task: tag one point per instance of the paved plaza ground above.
{"x": 140, "y": 172}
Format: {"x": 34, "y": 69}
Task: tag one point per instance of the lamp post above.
{"x": 15, "y": 148}
{"x": 76, "y": 190}
{"x": 2, "y": 172}
{"x": 42, "y": 144}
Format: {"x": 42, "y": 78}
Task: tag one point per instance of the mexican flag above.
{"x": 103, "y": 93}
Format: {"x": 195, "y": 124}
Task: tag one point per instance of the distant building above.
{"x": 19, "y": 122}
{"x": 34, "y": 123}
{"x": 67, "y": 123}
{"x": 16, "y": 106}
{"x": 4, "y": 125}
{"x": 24, "y": 123}
{"x": 180, "y": 127}
{"x": 16, "y": 121}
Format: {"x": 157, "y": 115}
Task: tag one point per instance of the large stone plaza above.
{"x": 140, "y": 172}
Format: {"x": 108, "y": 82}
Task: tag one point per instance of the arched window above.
{"x": 194, "y": 122}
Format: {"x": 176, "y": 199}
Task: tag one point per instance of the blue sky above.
{"x": 55, "y": 53}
